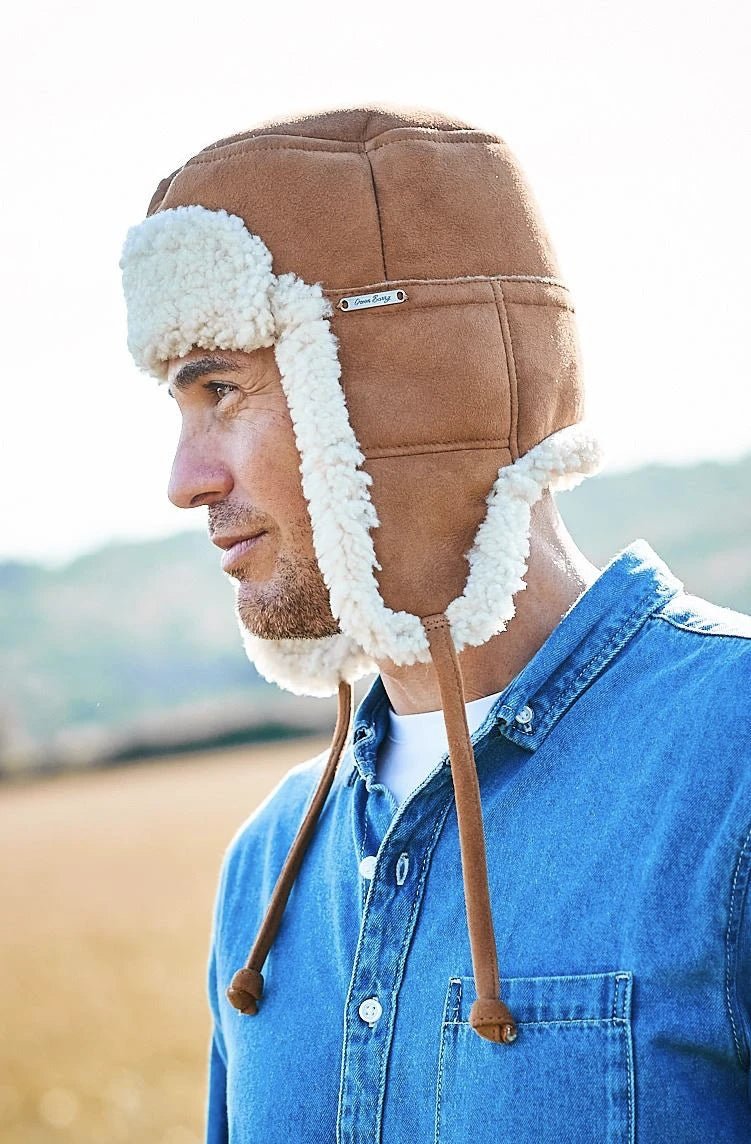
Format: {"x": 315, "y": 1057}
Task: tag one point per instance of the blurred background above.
{"x": 134, "y": 734}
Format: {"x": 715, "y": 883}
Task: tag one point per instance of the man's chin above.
{"x": 282, "y": 619}
{"x": 266, "y": 631}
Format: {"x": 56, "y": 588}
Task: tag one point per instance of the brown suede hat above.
{"x": 397, "y": 262}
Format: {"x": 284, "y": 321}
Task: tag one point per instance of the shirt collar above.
{"x": 601, "y": 621}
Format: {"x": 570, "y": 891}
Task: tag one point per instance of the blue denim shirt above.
{"x": 618, "y": 834}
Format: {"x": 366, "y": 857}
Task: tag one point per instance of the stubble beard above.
{"x": 294, "y": 604}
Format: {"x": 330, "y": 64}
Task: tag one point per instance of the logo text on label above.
{"x": 364, "y": 301}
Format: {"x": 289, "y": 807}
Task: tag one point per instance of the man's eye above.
{"x": 219, "y": 388}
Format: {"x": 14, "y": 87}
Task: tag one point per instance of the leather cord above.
{"x": 246, "y": 987}
{"x": 489, "y": 1016}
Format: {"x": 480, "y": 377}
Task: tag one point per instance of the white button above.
{"x": 525, "y": 716}
{"x": 367, "y": 866}
{"x": 370, "y": 1010}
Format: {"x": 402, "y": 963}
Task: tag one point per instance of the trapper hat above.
{"x": 397, "y": 262}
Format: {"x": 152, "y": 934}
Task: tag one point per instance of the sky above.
{"x": 630, "y": 121}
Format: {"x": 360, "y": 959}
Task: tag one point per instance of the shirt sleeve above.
{"x": 216, "y": 1093}
{"x": 216, "y": 1096}
{"x": 739, "y": 934}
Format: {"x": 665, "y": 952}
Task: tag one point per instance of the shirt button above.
{"x": 525, "y": 716}
{"x": 367, "y": 866}
{"x": 370, "y": 1010}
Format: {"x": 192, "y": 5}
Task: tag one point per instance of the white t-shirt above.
{"x": 413, "y": 744}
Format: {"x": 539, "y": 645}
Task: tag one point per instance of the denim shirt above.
{"x": 618, "y": 833}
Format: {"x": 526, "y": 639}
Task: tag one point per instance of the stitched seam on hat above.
{"x": 378, "y": 214}
{"x": 549, "y": 304}
{"x": 347, "y": 149}
{"x": 468, "y": 442}
{"x": 383, "y": 452}
{"x": 437, "y": 305}
{"x": 421, "y": 450}
{"x": 511, "y": 368}
{"x": 440, "y": 305}
{"x": 456, "y": 137}
{"x": 548, "y": 281}
{"x": 347, "y": 146}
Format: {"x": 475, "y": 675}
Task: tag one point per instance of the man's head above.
{"x": 387, "y": 274}
{"x": 237, "y": 455}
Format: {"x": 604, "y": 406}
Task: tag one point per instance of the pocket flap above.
{"x": 545, "y": 1000}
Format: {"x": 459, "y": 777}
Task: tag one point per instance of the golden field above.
{"x": 107, "y": 882}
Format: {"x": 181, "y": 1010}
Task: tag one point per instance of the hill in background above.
{"x": 136, "y": 645}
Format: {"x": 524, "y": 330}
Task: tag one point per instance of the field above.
{"x": 106, "y": 887}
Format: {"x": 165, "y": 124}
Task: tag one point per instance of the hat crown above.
{"x": 351, "y": 197}
{"x": 351, "y": 124}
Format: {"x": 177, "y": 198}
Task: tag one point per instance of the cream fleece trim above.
{"x": 497, "y": 560}
{"x": 336, "y": 488}
{"x": 194, "y": 277}
{"x": 498, "y": 557}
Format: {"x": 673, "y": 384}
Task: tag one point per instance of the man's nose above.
{"x": 198, "y": 476}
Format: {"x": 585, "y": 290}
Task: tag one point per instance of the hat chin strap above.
{"x": 246, "y": 987}
{"x": 489, "y": 1016}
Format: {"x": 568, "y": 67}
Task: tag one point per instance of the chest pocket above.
{"x": 568, "y": 1076}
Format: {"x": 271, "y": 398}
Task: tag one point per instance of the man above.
{"x": 511, "y": 901}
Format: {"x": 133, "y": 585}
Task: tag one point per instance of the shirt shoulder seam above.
{"x": 699, "y": 631}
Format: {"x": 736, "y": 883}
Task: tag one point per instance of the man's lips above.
{"x": 236, "y": 548}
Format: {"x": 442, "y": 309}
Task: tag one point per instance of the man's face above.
{"x": 237, "y": 455}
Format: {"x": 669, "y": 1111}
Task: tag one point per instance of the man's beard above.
{"x": 294, "y": 604}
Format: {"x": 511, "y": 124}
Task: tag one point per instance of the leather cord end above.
{"x": 246, "y": 987}
{"x": 245, "y": 990}
{"x": 491, "y": 1018}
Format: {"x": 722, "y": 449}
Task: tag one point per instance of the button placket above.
{"x": 390, "y": 911}
{"x": 368, "y": 824}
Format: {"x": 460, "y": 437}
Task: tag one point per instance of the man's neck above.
{"x": 558, "y": 573}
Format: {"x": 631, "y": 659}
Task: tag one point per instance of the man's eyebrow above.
{"x": 192, "y": 371}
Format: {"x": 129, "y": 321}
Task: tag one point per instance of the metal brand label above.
{"x": 365, "y": 301}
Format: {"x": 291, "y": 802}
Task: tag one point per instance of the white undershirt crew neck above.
{"x": 413, "y": 744}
